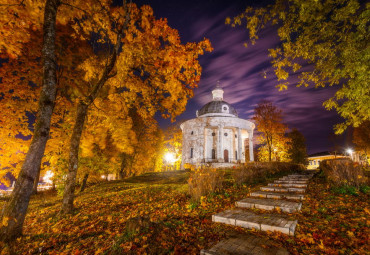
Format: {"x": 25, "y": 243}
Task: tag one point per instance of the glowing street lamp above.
{"x": 350, "y": 151}
{"x": 169, "y": 157}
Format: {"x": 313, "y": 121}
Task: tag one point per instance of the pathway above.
{"x": 284, "y": 194}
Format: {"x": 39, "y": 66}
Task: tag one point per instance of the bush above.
{"x": 344, "y": 172}
{"x": 260, "y": 171}
{"x": 203, "y": 181}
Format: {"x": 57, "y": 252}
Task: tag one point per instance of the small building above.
{"x": 315, "y": 159}
{"x": 216, "y": 136}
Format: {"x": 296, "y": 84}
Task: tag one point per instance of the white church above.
{"x": 216, "y": 137}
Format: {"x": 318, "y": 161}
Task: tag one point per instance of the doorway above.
{"x": 226, "y": 156}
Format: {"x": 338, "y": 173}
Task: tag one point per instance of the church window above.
{"x": 191, "y": 153}
{"x": 236, "y": 136}
{"x": 225, "y": 134}
{"x": 213, "y": 134}
{"x": 225, "y": 108}
{"x": 213, "y": 154}
{"x": 236, "y": 155}
{"x": 192, "y": 133}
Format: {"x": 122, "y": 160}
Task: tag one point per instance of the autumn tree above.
{"x": 14, "y": 212}
{"x": 18, "y": 21}
{"x": 268, "y": 119}
{"x": 297, "y": 151}
{"x": 332, "y": 37}
{"x": 145, "y": 147}
{"x": 361, "y": 138}
{"x": 153, "y": 71}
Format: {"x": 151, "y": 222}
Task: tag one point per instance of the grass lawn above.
{"x": 329, "y": 223}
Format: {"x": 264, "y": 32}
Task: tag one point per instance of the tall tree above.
{"x": 297, "y": 151}
{"x": 268, "y": 119}
{"x": 332, "y": 36}
{"x": 146, "y": 146}
{"x": 152, "y": 72}
{"x": 15, "y": 210}
{"x": 20, "y": 20}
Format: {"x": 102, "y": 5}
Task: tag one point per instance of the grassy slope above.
{"x": 329, "y": 224}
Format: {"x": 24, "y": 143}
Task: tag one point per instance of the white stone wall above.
{"x": 197, "y": 134}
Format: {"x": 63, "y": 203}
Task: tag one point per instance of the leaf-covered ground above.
{"x": 328, "y": 224}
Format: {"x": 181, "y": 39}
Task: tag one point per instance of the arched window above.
{"x": 191, "y": 152}
{"x": 213, "y": 154}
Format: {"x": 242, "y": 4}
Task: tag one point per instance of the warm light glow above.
{"x": 349, "y": 151}
{"x": 103, "y": 176}
{"x": 47, "y": 177}
{"x": 169, "y": 157}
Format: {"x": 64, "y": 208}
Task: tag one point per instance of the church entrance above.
{"x": 226, "y": 156}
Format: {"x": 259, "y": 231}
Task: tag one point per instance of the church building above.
{"x": 216, "y": 137}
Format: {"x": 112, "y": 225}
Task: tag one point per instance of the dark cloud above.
{"x": 240, "y": 70}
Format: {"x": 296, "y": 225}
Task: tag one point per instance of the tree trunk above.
{"x": 82, "y": 109}
{"x": 122, "y": 170}
{"x": 69, "y": 189}
{"x": 35, "y": 183}
{"x": 15, "y": 210}
{"x": 84, "y": 181}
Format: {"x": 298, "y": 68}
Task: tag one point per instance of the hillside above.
{"x": 152, "y": 214}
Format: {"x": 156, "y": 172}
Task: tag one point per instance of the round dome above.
{"x": 220, "y": 107}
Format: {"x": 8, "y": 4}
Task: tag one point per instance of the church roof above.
{"x": 217, "y": 107}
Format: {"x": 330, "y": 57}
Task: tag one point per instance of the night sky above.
{"x": 240, "y": 70}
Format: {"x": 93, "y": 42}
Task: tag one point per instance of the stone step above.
{"x": 270, "y": 204}
{"x": 288, "y": 185}
{"x": 290, "y": 182}
{"x": 300, "y": 175}
{"x": 263, "y": 222}
{"x": 283, "y": 189}
{"x": 245, "y": 245}
{"x": 277, "y": 195}
{"x": 294, "y": 179}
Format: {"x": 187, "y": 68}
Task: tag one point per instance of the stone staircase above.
{"x": 284, "y": 195}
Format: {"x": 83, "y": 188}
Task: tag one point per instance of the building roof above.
{"x": 325, "y": 153}
{"x": 217, "y": 107}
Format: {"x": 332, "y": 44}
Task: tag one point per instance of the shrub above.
{"x": 260, "y": 171}
{"x": 344, "y": 172}
{"x": 203, "y": 181}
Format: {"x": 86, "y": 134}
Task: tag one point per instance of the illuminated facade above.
{"x": 217, "y": 136}
{"x": 315, "y": 159}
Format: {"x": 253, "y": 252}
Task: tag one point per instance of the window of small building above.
{"x": 213, "y": 154}
{"x": 314, "y": 162}
{"x": 191, "y": 152}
